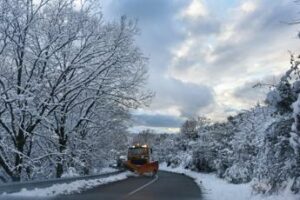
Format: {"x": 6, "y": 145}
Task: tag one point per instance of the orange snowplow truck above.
{"x": 139, "y": 160}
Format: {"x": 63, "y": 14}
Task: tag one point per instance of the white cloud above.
{"x": 251, "y": 44}
{"x": 194, "y": 10}
{"x": 248, "y": 6}
{"x": 203, "y": 54}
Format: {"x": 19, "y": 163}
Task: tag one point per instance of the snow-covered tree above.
{"x": 144, "y": 137}
{"x": 273, "y": 166}
{"x": 246, "y": 143}
{"x": 65, "y": 75}
{"x": 283, "y": 94}
{"x": 294, "y": 142}
{"x": 190, "y": 127}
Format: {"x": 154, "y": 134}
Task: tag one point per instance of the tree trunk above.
{"x": 62, "y": 147}
{"x": 86, "y": 170}
{"x": 20, "y": 142}
{"x": 59, "y": 169}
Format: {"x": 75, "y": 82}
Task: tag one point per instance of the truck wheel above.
{"x": 154, "y": 172}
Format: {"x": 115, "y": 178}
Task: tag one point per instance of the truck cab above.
{"x": 139, "y": 154}
{"x": 139, "y": 160}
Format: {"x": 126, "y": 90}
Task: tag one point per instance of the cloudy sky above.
{"x": 205, "y": 55}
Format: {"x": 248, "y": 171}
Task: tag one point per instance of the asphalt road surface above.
{"x": 164, "y": 186}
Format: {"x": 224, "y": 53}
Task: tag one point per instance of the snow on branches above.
{"x": 65, "y": 76}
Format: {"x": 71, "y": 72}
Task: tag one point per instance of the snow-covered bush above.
{"x": 238, "y": 174}
{"x": 252, "y": 146}
{"x": 70, "y": 172}
{"x": 296, "y": 185}
{"x": 274, "y": 166}
{"x": 247, "y": 140}
{"x": 261, "y": 186}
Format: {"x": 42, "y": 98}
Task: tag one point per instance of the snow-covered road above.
{"x": 164, "y": 185}
{"x": 53, "y": 187}
{"x": 181, "y": 184}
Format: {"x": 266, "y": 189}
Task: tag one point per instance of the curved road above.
{"x": 164, "y": 186}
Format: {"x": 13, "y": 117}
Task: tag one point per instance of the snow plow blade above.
{"x": 142, "y": 169}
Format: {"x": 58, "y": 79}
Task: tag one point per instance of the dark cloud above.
{"x": 156, "y": 19}
{"x": 146, "y": 10}
{"x": 249, "y": 94}
{"x": 252, "y": 95}
{"x": 202, "y": 25}
{"x": 188, "y": 97}
{"x": 205, "y": 26}
{"x": 269, "y": 16}
{"x": 157, "y": 120}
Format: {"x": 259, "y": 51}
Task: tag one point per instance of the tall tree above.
{"x": 61, "y": 66}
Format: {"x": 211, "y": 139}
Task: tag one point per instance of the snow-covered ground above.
{"x": 215, "y": 188}
{"x": 106, "y": 170}
{"x": 69, "y": 188}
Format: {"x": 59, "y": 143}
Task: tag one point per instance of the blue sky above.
{"x": 205, "y": 55}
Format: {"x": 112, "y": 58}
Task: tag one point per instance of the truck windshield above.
{"x": 137, "y": 151}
